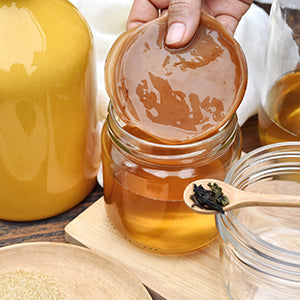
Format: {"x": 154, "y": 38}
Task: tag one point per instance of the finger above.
{"x": 143, "y": 11}
{"x": 227, "y": 12}
{"x": 229, "y": 22}
{"x": 183, "y": 20}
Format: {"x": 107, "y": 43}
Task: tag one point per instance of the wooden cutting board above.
{"x": 192, "y": 276}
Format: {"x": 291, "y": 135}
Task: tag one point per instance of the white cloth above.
{"x": 265, "y": 1}
{"x": 107, "y": 20}
{"x": 251, "y": 34}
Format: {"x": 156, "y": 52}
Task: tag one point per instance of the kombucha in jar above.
{"x": 144, "y": 182}
{"x": 49, "y": 143}
{"x": 279, "y": 111}
{"x": 279, "y": 118}
{"x": 171, "y": 121}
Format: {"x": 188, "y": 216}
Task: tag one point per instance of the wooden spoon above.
{"x": 238, "y": 198}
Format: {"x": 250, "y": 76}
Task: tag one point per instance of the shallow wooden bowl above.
{"x": 81, "y": 272}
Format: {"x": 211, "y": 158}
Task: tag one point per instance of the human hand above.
{"x": 184, "y": 15}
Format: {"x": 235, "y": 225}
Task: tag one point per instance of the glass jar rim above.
{"x": 203, "y": 150}
{"x": 232, "y": 123}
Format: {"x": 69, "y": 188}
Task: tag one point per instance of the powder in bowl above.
{"x": 21, "y": 284}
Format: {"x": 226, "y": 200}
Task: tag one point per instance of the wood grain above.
{"x": 250, "y": 138}
{"x": 191, "y": 276}
{"x": 78, "y": 272}
{"x": 51, "y": 229}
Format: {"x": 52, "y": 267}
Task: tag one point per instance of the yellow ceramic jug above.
{"x": 49, "y": 153}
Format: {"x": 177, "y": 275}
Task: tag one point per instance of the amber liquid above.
{"x": 49, "y": 147}
{"x": 145, "y": 203}
{"x": 169, "y": 97}
{"x": 279, "y": 120}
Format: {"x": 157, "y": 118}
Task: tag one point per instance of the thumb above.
{"x": 183, "y": 20}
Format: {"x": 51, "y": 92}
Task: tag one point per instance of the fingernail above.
{"x": 175, "y": 33}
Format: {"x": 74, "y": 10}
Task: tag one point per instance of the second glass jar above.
{"x": 144, "y": 182}
{"x": 259, "y": 246}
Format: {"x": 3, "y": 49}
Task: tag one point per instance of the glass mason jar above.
{"x": 260, "y": 246}
{"x": 279, "y": 110}
{"x": 49, "y": 145}
{"x": 144, "y": 182}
